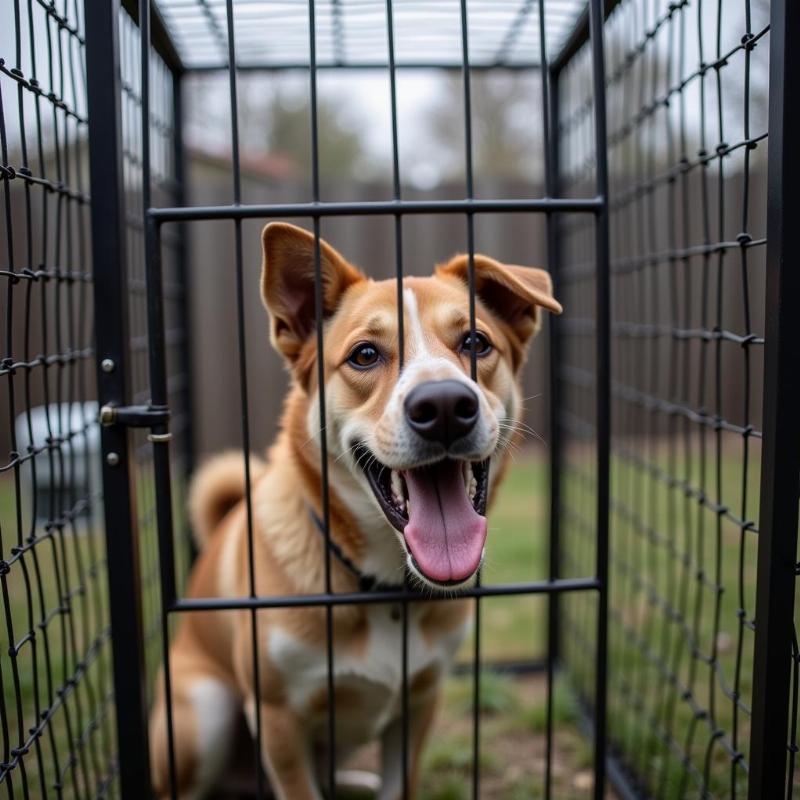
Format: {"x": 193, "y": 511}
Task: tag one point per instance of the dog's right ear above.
{"x": 287, "y": 284}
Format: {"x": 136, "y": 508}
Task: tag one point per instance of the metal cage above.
{"x": 95, "y": 214}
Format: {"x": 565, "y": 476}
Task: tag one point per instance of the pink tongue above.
{"x": 444, "y": 533}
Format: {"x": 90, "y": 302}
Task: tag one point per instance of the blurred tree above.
{"x": 275, "y": 124}
{"x": 506, "y": 125}
{"x": 287, "y": 121}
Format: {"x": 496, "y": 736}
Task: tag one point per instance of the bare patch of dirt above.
{"x": 513, "y": 745}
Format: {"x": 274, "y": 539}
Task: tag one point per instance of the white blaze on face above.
{"x": 423, "y": 364}
{"x": 416, "y": 344}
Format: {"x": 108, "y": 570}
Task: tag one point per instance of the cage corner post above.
{"x": 597, "y": 16}
{"x": 110, "y": 277}
{"x": 780, "y": 459}
{"x": 555, "y": 465}
{"x": 554, "y": 421}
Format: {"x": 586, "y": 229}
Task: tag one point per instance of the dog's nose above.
{"x": 442, "y": 411}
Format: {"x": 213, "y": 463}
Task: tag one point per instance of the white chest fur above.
{"x": 371, "y": 672}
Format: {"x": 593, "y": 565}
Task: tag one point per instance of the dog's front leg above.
{"x": 285, "y": 752}
{"x": 421, "y": 710}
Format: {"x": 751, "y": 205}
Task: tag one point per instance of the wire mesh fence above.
{"x": 56, "y": 700}
{"x": 687, "y": 131}
{"x": 658, "y": 369}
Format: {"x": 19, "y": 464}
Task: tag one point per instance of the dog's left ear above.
{"x": 514, "y": 293}
{"x": 288, "y": 279}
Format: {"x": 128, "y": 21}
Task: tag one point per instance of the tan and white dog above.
{"x": 413, "y": 457}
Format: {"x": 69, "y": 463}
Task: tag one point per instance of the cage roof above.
{"x": 271, "y": 34}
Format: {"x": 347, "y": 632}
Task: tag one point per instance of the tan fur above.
{"x": 216, "y": 488}
{"x": 212, "y": 660}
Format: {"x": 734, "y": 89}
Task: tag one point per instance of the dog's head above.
{"x": 420, "y": 440}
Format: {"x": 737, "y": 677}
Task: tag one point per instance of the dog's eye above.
{"x": 364, "y": 356}
{"x": 482, "y": 344}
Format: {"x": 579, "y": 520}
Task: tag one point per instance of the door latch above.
{"x": 143, "y": 416}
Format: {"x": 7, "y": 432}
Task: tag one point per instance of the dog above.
{"x": 413, "y": 457}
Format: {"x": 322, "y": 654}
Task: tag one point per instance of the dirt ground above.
{"x": 512, "y": 746}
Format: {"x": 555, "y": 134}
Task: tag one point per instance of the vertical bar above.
{"x": 157, "y": 368}
{"x": 780, "y": 458}
{"x": 179, "y": 158}
{"x": 161, "y": 471}
{"x": 603, "y": 389}
{"x": 319, "y": 309}
{"x": 470, "y": 187}
{"x": 243, "y": 386}
{"x": 110, "y": 309}
{"x": 398, "y": 242}
{"x": 550, "y": 112}
{"x": 156, "y": 350}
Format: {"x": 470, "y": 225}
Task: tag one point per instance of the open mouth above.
{"x": 439, "y": 508}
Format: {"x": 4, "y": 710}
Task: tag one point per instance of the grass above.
{"x": 61, "y": 670}
{"x": 657, "y": 551}
{"x": 513, "y": 627}
{"x": 675, "y": 653}
{"x": 496, "y": 695}
{"x": 512, "y": 752}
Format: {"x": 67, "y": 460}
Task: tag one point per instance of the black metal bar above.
{"x": 157, "y": 353}
{"x": 241, "y": 341}
{"x": 550, "y": 102}
{"x": 110, "y": 301}
{"x": 401, "y": 346}
{"x": 394, "y": 596}
{"x": 323, "y": 427}
{"x": 589, "y": 205}
{"x": 185, "y": 321}
{"x": 162, "y": 482}
{"x": 157, "y": 367}
{"x": 780, "y": 459}
{"x": 367, "y": 66}
{"x": 473, "y": 369}
{"x": 602, "y": 387}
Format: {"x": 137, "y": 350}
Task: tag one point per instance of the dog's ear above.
{"x": 514, "y": 293}
{"x": 288, "y": 281}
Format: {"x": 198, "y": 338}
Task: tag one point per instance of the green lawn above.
{"x": 55, "y": 620}
{"x": 679, "y": 647}
{"x": 513, "y": 628}
{"x": 662, "y": 540}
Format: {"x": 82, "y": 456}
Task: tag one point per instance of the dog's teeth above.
{"x": 408, "y": 508}
{"x": 397, "y": 488}
{"x": 470, "y": 482}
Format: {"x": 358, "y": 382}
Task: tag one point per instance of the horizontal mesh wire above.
{"x": 56, "y": 697}
{"x": 353, "y": 32}
{"x": 687, "y": 105}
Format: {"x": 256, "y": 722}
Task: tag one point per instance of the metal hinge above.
{"x": 134, "y": 416}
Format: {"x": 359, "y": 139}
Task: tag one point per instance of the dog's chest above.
{"x": 368, "y": 670}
